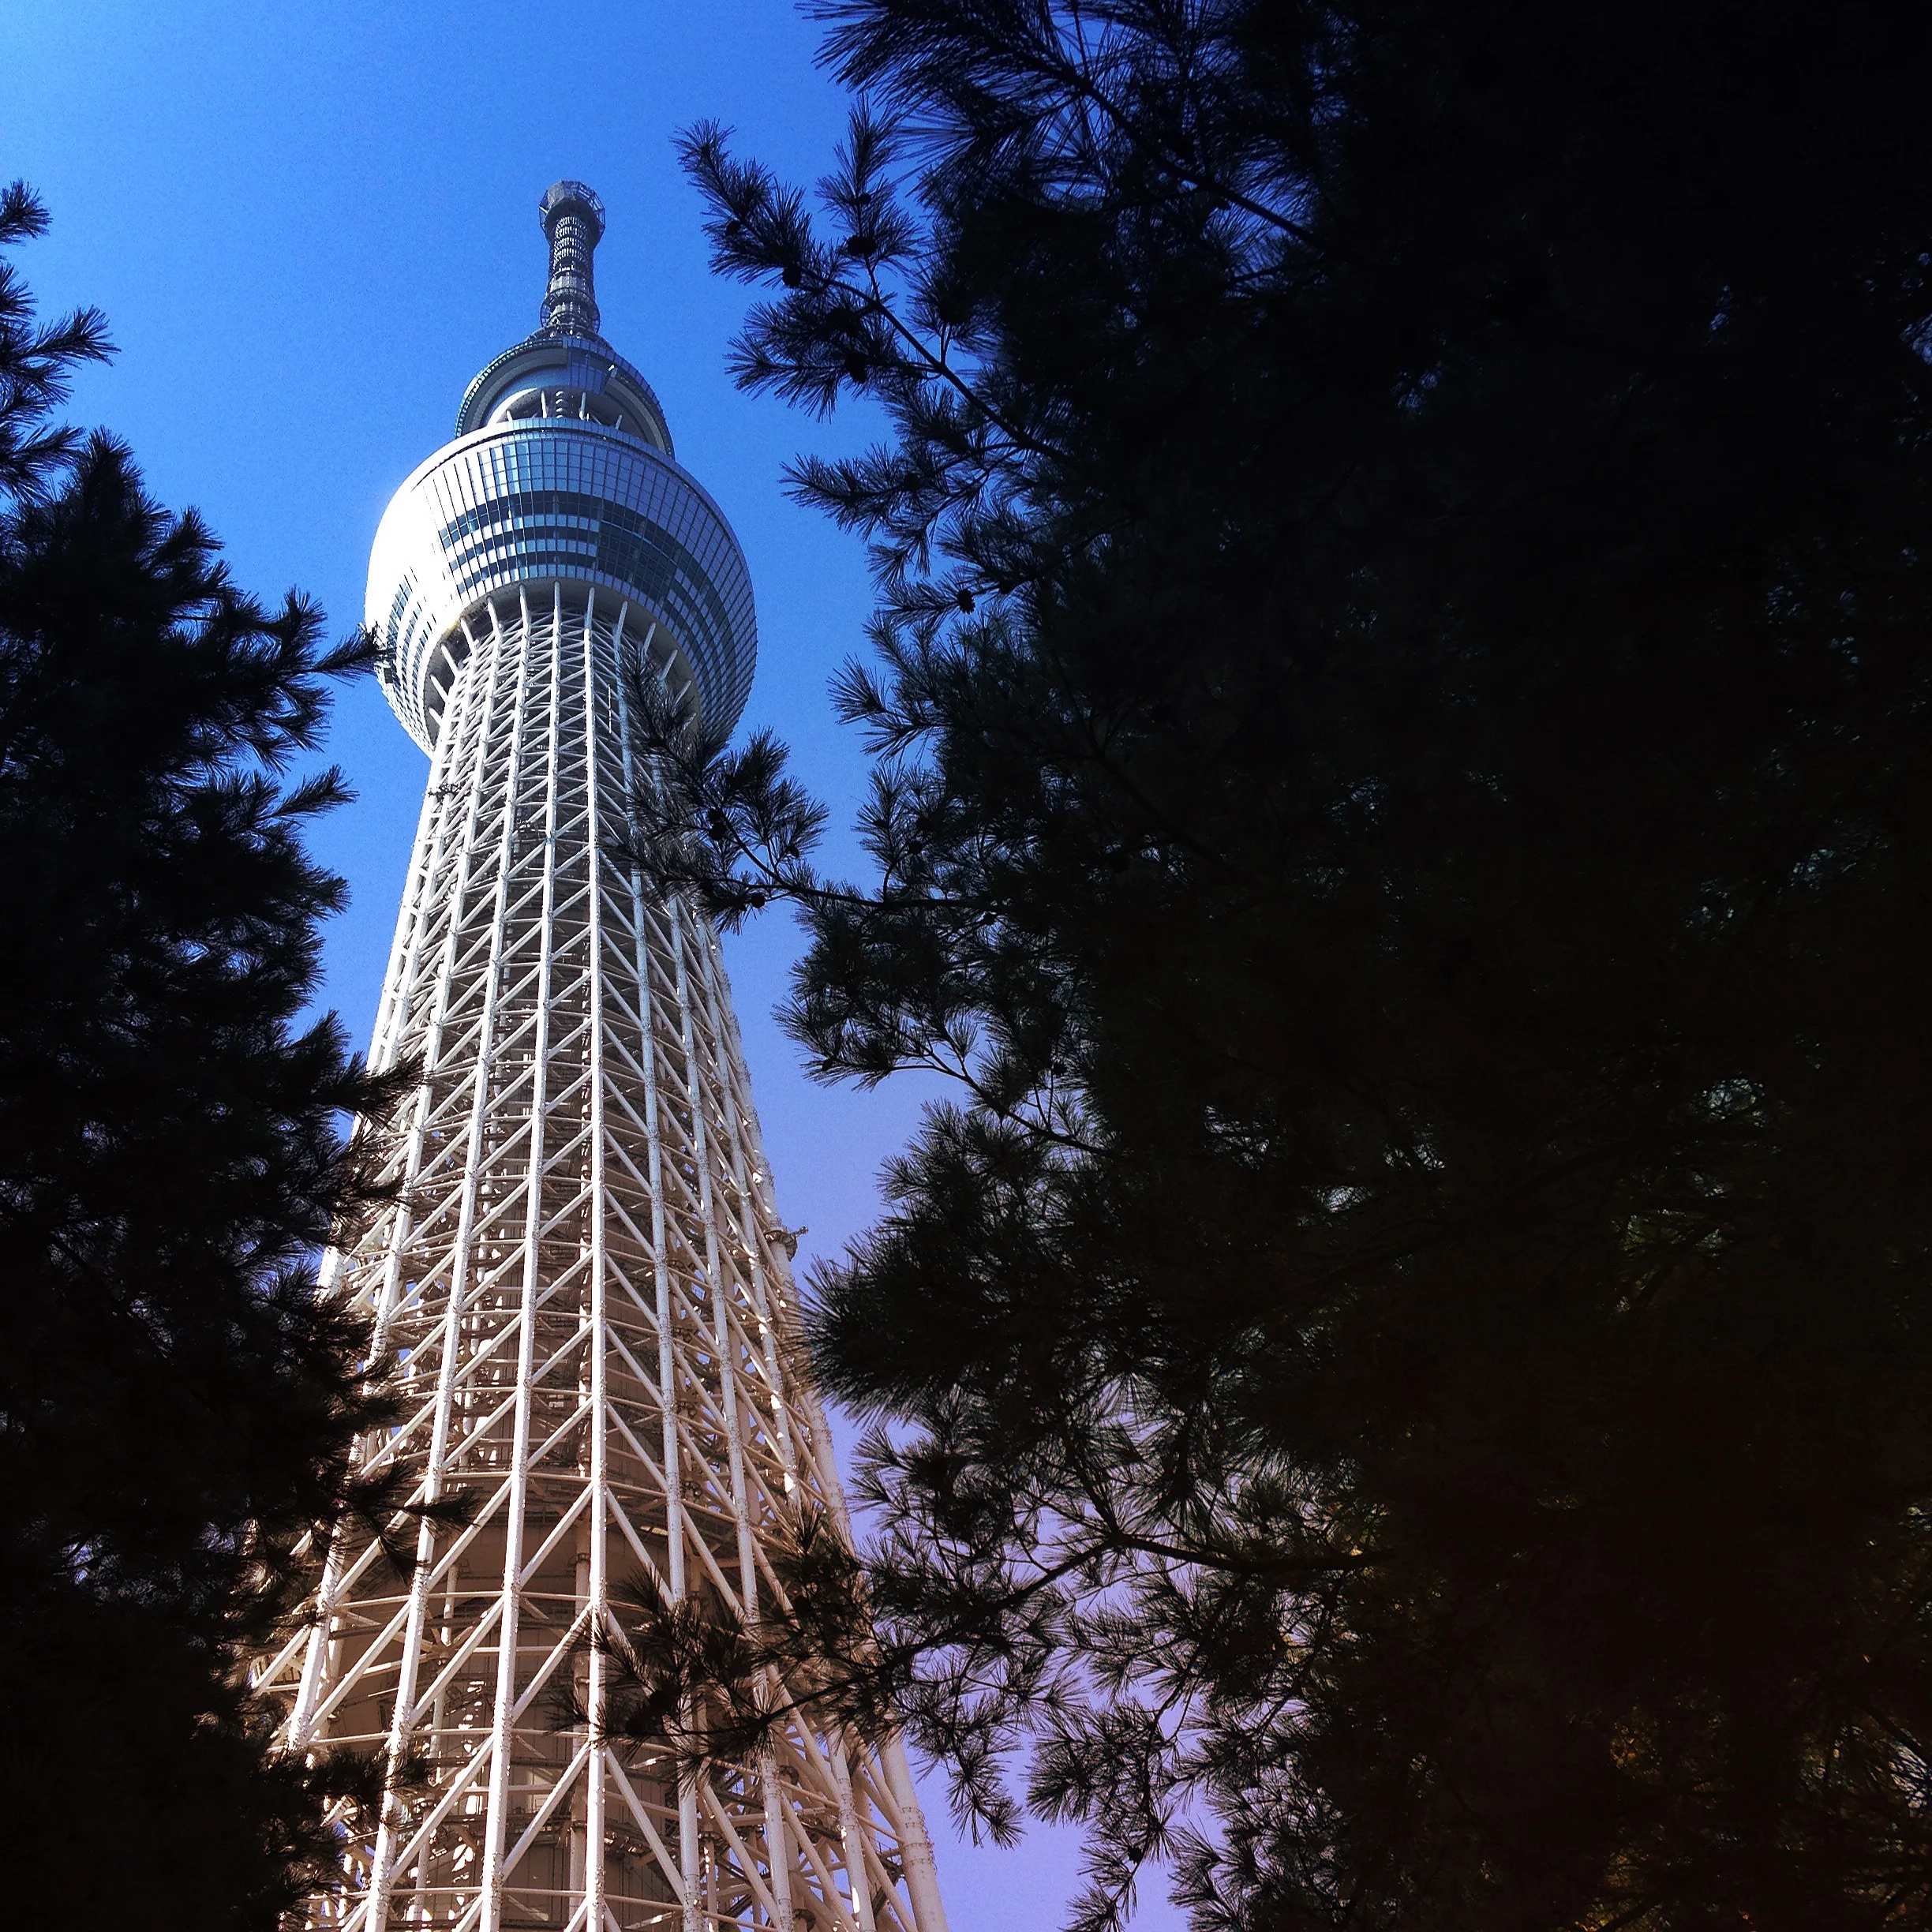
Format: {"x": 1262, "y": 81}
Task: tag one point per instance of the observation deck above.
{"x": 561, "y": 471}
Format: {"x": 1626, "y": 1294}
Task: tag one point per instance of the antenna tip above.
{"x": 573, "y": 224}
{"x": 571, "y": 197}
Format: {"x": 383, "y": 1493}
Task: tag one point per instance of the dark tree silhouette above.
{"x": 1401, "y": 699}
{"x": 176, "y": 1410}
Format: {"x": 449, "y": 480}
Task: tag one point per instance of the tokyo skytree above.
{"x": 581, "y": 1274}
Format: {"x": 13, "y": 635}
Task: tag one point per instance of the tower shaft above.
{"x": 582, "y": 1281}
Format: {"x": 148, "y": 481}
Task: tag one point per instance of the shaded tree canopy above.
{"x": 176, "y": 1410}
{"x": 1399, "y": 699}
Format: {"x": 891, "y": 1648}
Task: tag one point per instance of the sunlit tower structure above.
{"x": 581, "y": 1276}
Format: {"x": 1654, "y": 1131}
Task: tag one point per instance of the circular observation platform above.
{"x": 561, "y": 472}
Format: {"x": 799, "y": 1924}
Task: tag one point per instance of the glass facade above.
{"x": 524, "y": 502}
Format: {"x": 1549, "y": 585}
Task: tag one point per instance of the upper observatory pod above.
{"x": 561, "y": 472}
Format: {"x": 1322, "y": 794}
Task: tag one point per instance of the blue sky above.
{"x": 309, "y": 227}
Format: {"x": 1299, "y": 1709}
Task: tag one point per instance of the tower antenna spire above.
{"x": 573, "y": 223}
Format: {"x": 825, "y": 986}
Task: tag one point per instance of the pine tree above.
{"x": 176, "y": 1409}
{"x": 1400, "y": 699}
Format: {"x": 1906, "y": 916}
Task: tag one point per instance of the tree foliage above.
{"x": 176, "y": 1409}
{"x": 1400, "y": 701}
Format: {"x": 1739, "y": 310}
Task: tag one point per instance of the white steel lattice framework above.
{"x": 582, "y": 1277}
